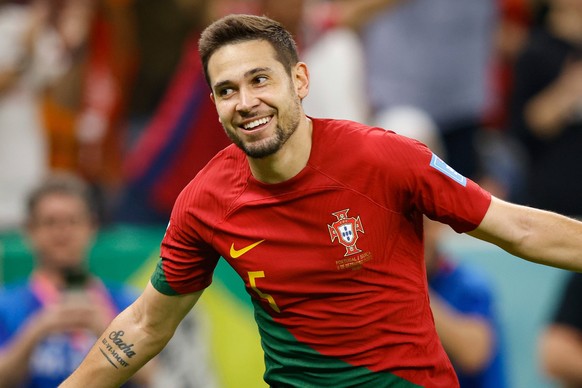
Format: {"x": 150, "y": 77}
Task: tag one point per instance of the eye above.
{"x": 260, "y": 79}
{"x": 225, "y": 92}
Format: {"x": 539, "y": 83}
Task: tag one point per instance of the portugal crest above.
{"x": 346, "y": 229}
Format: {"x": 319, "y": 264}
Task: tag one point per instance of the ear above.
{"x": 301, "y": 79}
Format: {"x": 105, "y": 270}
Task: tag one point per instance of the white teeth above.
{"x": 256, "y": 123}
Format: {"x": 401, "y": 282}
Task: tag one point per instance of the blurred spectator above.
{"x": 182, "y": 135}
{"x": 335, "y": 52}
{"x": 547, "y": 108}
{"x": 85, "y": 112}
{"x": 463, "y": 305}
{"x": 332, "y": 50}
{"x": 560, "y": 349}
{"x": 434, "y": 55}
{"x": 48, "y": 323}
{"x": 32, "y": 53}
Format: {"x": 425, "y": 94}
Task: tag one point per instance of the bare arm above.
{"x": 133, "y": 338}
{"x": 561, "y": 354}
{"x": 535, "y": 235}
{"x": 456, "y": 330}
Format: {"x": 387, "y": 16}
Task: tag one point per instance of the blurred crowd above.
{"x": 113, "y": 90}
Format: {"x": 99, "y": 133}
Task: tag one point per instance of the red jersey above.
{"x": 332, "y": 258}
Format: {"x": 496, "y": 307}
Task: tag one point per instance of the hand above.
{"x": 74, "y": 313}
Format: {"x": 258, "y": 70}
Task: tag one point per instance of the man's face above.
{"x": 258, "y": 102}
{"x": 61, "y": 231}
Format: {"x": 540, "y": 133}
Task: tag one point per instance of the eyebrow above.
{"x": 245, "y": 75}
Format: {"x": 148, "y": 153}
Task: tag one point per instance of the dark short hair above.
{"x": 241, "y": 28}
{"x": 62, "y": 183}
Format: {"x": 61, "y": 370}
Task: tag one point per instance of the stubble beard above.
{"x": 267, "y": 147}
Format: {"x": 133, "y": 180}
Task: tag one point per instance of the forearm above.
{"x": 536, "y": 235}
{"x": 132, "y": 339}
{"x": 125, "y": 346}
{"x": 553, "y": 239}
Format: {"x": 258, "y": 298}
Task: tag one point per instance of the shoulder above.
{"x": 371, "y": 143}
{"x": 223, "y": 176}
{"x": 347, "y": 148}
{"x": 206, "y": 200}
{"x": 353, "y": 152}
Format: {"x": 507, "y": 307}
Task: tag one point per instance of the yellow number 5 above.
{"x": 253, "y": 275}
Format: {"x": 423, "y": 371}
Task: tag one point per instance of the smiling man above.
{"x": 323, "y": 221}
{"x": 258, "y": 100}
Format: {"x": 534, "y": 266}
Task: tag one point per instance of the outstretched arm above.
{"x": 536, "y": 235}
{"x": 132, "y": 339}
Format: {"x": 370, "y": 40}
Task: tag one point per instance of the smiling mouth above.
{"x": 256, "y": 123}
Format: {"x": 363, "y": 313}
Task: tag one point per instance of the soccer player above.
{"x": 323, "y": 220}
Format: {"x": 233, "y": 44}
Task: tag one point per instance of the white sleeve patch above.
{"x": 438, "y": 164}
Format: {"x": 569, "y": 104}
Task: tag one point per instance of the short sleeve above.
{"x": 187, "y": 261}
{"x": 437, "y": 190}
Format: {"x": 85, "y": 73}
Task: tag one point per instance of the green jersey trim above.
{"x": 289, "y": 363}
{"x": 160, "y": 282}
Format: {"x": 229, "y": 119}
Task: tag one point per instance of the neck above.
{"x": 289, "y": 160}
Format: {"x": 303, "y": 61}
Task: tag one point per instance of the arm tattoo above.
{"x": 116, "y": 350}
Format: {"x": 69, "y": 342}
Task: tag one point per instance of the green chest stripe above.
{"x": 289, "y": 363}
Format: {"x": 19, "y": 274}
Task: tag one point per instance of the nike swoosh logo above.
{"x": 236, "y": 253}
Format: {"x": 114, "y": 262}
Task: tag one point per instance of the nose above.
{"x": 247, "y": 100}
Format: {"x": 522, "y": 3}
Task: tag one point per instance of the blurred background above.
{"x": 113, "y": 91}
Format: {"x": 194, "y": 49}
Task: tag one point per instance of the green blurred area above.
{"x": 119, "y": 250}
